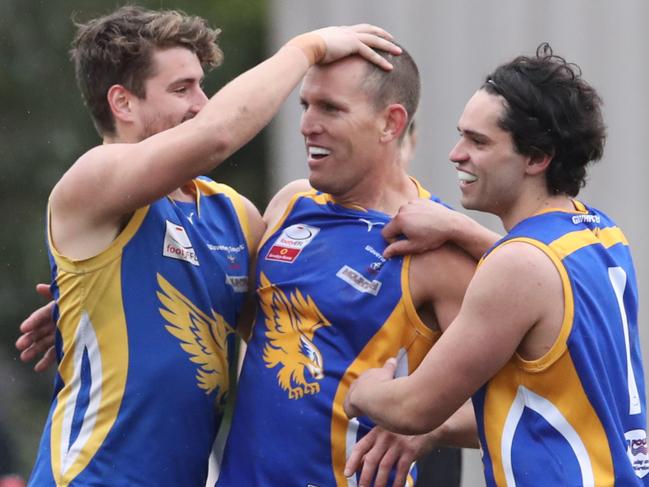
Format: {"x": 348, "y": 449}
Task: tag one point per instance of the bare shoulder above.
{"x": 438, "y": 267}
{"x": 519, "y": 259}
{"x": 279, "y": 202}
{"x": 518, "y": 279}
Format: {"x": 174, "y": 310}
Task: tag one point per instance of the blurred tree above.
{"x": 44, "y": 127}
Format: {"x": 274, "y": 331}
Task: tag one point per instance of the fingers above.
{"x": 39, "y": 320}
{"x": 371, "y": 29}
{"x": 379, "y": 43}
{"x": 44, "y": 290}
{"x": 399, "y": 247}
{"x": 391, "y": 365}
{"x": 373, "y": 57}
{"x": 403, "y": 468}
{"x": 374, "y": 462}
{"x": 391, "y": 230}
{"x": 358, "y": 452}
{"x": 47, "y": 361}
{"x": 36, "y": 349}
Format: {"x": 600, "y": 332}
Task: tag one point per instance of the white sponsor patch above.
{"x": 577, "y": 219}
{"x": 636, "y": 449}
{"x": 238, "y": 283}
{"x": 358, "y": 281}
{"x": 291, "y": 242}
{"x": 177, "y": 244}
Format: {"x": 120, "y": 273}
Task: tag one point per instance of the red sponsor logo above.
{"x": 282, "y": 254}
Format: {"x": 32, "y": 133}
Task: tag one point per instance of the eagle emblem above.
{"x": 291, "y": 322}
{"x": 204, "y": 338}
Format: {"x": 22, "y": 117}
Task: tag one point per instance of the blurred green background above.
{"x": 44, "y": 127}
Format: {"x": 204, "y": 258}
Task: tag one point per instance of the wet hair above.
{"x": 401, "y": 85}
{"x": 550, "y": 109}
{"x": 118, "y": 48}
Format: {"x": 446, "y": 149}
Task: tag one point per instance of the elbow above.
{"x": 221, "y": 147}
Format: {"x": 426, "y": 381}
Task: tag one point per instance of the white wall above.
{"x": 456, "y": 43}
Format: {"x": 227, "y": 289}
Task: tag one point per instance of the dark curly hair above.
{"x": 118, "y": 49}
{"x": 551, "y": 110}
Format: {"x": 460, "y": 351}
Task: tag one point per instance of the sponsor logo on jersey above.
{"x": 371, "y": 224}
{"x": 636, "y": 450}
{"x": 238, "y": 283}
{"x": 291, "y": 243}
{"x": 358, "y": 281}
{"x": 577, "y": 219}
{"x": 230, "y": 249}
{"x": 177, "y": 244}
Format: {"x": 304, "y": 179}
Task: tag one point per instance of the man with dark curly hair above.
{"x": 149, "y": 259}
{"x": 546, "y": 341}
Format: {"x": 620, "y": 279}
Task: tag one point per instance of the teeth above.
{"x": 466, "y": 177}
{"x": 318, "y": 151}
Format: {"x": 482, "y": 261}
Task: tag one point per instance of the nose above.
{"x": 309, "y": 124}
{"x": 458, "y": 153}
{"x": 200, "y": 99}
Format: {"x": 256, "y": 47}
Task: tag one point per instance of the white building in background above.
{"x": 456, "y": 43}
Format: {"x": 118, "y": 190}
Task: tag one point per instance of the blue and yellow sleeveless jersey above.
{"x": 330, "y": 307}
{"x": 577, "y": 415}
{"x": 144, "y": 333}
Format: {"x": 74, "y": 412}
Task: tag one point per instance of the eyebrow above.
{"x": 471, "y": 132}
{"x": 187, "y": 80}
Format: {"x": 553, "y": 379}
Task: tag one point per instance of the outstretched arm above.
{"x": 91, "y": 201}
{"x": 427, "y": 225}
{"x": 517, "y": 289}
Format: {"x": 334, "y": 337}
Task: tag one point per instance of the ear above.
{"x": 538, "y": 163}
{"x": 395, "y": 120}
{"x": 120, "y": 102}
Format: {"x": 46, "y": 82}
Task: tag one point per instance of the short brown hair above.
{"x": 118, "y": 49}
{"x": 400, "y": 85}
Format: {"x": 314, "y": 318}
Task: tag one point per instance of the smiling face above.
{"x": 173, "y": 93}
{"x": 341, "y": 126}
{"x": 491, "y": 173}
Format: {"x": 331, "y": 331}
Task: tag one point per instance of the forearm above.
{"x": 247, "y": 104}
{"x": 389, "y": 406}
{"x": 460, "y": 430}
{"x": 472, "y": 237}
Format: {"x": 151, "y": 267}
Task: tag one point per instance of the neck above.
{"x": 187, "y": 192}
{"x": 385, "y": 192}
{"x": 533, "y": 205}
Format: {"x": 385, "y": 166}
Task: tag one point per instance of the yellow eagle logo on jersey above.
{"x": 203, "y": 337}
{"x": 291, "y": 322}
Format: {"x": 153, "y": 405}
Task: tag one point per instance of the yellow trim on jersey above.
{"x": 560, "y": 344}
{"x": 97, "y": 295}
{"x": 209, "y": 188}
{"x": 411, "y": 311}
{"x": 112, "y": 252}
{"x": 393, "y": 336}
{"x": 576, "y": 409}
{"x": 573, "y": 241}
{"x": 289, "y": 207}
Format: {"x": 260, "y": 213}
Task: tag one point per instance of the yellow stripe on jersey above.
{"x": 97, "y": 325}
{"x": 394, "y": 335}
{"x": 573, "y": 241}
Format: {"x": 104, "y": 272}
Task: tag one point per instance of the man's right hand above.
{"x": 333, "y": 43}
{"x": 38, "y": 332}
